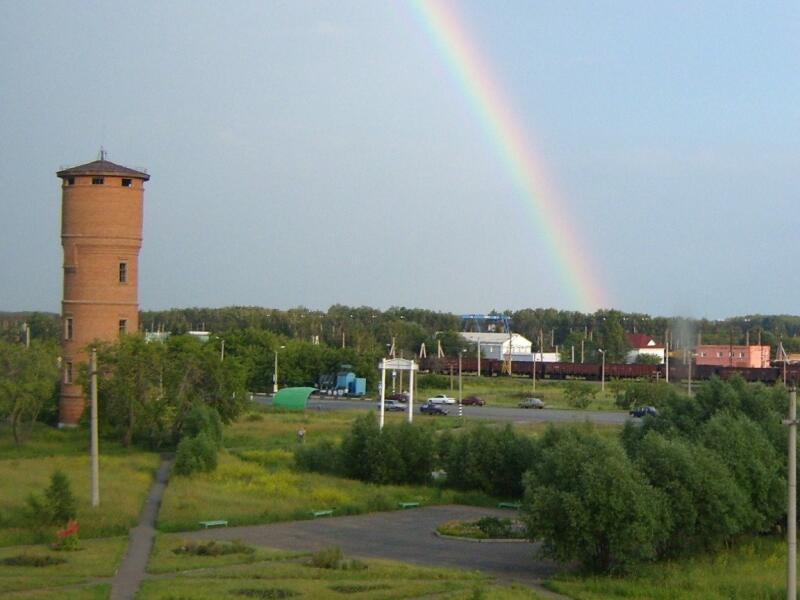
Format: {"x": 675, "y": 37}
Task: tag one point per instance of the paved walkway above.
{"x": 404, "y": 535}
{"x": 132, "y": 570}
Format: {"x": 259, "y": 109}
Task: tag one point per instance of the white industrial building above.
{"x": 498, "y": 346}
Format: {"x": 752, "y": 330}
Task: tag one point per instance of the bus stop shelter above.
{"x": 293, "y": 398}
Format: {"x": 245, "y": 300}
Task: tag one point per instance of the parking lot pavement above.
{"x": 404, "y": 535}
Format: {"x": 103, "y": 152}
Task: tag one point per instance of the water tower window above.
{"x": 126, "y": 182}
{"x": 70, "y": 181}
{"x": 68, "y": 372}
{"x": 97, "y": 181}
{"x": 123, "y": 326}
{"x": 68, "y": 328}
{"x": 123, "y": 272}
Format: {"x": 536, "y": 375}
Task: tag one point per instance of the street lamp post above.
{"x": 460, "y": 387}
{"x": 275, "y": 374}
{"x": 534, "y": 373}
{"x": 602, "y": 371}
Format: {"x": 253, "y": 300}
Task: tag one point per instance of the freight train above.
{"x": 593, "y": 371}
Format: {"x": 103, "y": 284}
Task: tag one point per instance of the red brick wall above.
{"x": 101, "y": 226}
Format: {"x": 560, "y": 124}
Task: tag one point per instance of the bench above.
{"x": 322, "y": 513}
{"x": 207, "y": 524}
{"x": 514, "y": 505}
{"x": 408, "y": 504}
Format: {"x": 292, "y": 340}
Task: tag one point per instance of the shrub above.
{"x": 580, "y": 394}
{"x": 754, "y": 464}
{"x": 356, "y": 588}
{"x": 212, "y": 548}
{"x": 494, "y": 527}
{"x": 488, "y": 459}
{"x": 265, "y": 593}
{"x": 58, "y": 506}
{"x": 357, "y": 460}
{"x": 195, "y": 454}
{"x": 323, "y": 457}
{"x": 706, "y": 507}
{"x": 332, "y": 558}
{"x": 67, "y": 538}
{"x": 644, "y": 393}
{"x": 203, "y": 419}
{"x": 61, "y": 502}
{"x": 32, "y": 560}
{"x": 585, "y": 500}
{"x": 428, "y": 381}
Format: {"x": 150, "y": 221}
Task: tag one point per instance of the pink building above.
{"x": 725, "y": 355}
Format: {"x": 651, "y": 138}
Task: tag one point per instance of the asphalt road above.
{"x": 405, "y": 535}
{"x": 496, "y": 413}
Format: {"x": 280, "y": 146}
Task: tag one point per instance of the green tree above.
{"x": 585, "y": 501}
{"x": 612, "y": 337}
{"x": 580, "y": 394}
{"x": 706, "y": 506}
{"x": 28, "y": 381}
{"x": 754, "y": 464}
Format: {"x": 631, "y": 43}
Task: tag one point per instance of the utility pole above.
{"x": 460, "y": 388}
{"x": 95, "y": 444}
{"x": 222, "y": 351}
{"x": 534, "y": 373}
{"x": 479, "y": 358}
{"x": 603, "y": 372}
{"x": 791, "y": 513}
{"x": 582, "y": 351}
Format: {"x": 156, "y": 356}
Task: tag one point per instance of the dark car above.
{"x": 429, "y": 408}
{"x": 531, "y": 403}
{"x": 400, "y": 397}
{"x": 642, "y": 411}
{"x": 473, "y": 400}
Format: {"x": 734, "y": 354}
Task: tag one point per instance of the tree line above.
{"x": 706, "y": 471}
{"x": 367, "y": 329}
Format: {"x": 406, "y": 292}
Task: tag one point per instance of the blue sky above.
{"x": 311, "y": 153}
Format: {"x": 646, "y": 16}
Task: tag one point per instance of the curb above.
{"x": 486, "y": 541}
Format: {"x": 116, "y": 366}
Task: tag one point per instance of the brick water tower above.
{"x": 101, "y": 232}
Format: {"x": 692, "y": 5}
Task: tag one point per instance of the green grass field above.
{"x": 272, "y": 574}
{"x": 256, "y": 482}
{"x": 509, "y": 391}
{"x": 756, "y": 569}
{"x": 125, "y": 477}
{"x": 94, "y": 558}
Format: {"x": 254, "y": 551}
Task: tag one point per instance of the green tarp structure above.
{"x": 293, "y": 398}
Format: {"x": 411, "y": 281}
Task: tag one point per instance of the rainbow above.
{"x": 526, "y": 166}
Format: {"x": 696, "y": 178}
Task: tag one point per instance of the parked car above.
{"x": 532, "y": 403}
{"x": 429, "y": 408}
{"x": 392, "y": 405}
{"x": 473, "y": 401}
{"x": 442, "y": 399}
{"x": 400, "y": 397}
{"x": 642, "y": 411}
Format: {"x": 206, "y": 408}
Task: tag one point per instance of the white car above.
{"x": 442, "y": 399}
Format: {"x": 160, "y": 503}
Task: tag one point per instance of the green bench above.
{"x": 322, "y": 513}
{"x": 514, "y": 505}
{"x": 207, "y": 524}
{"x": 408, "y": 504}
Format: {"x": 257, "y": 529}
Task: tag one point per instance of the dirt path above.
{"x": 132, "y": 570}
